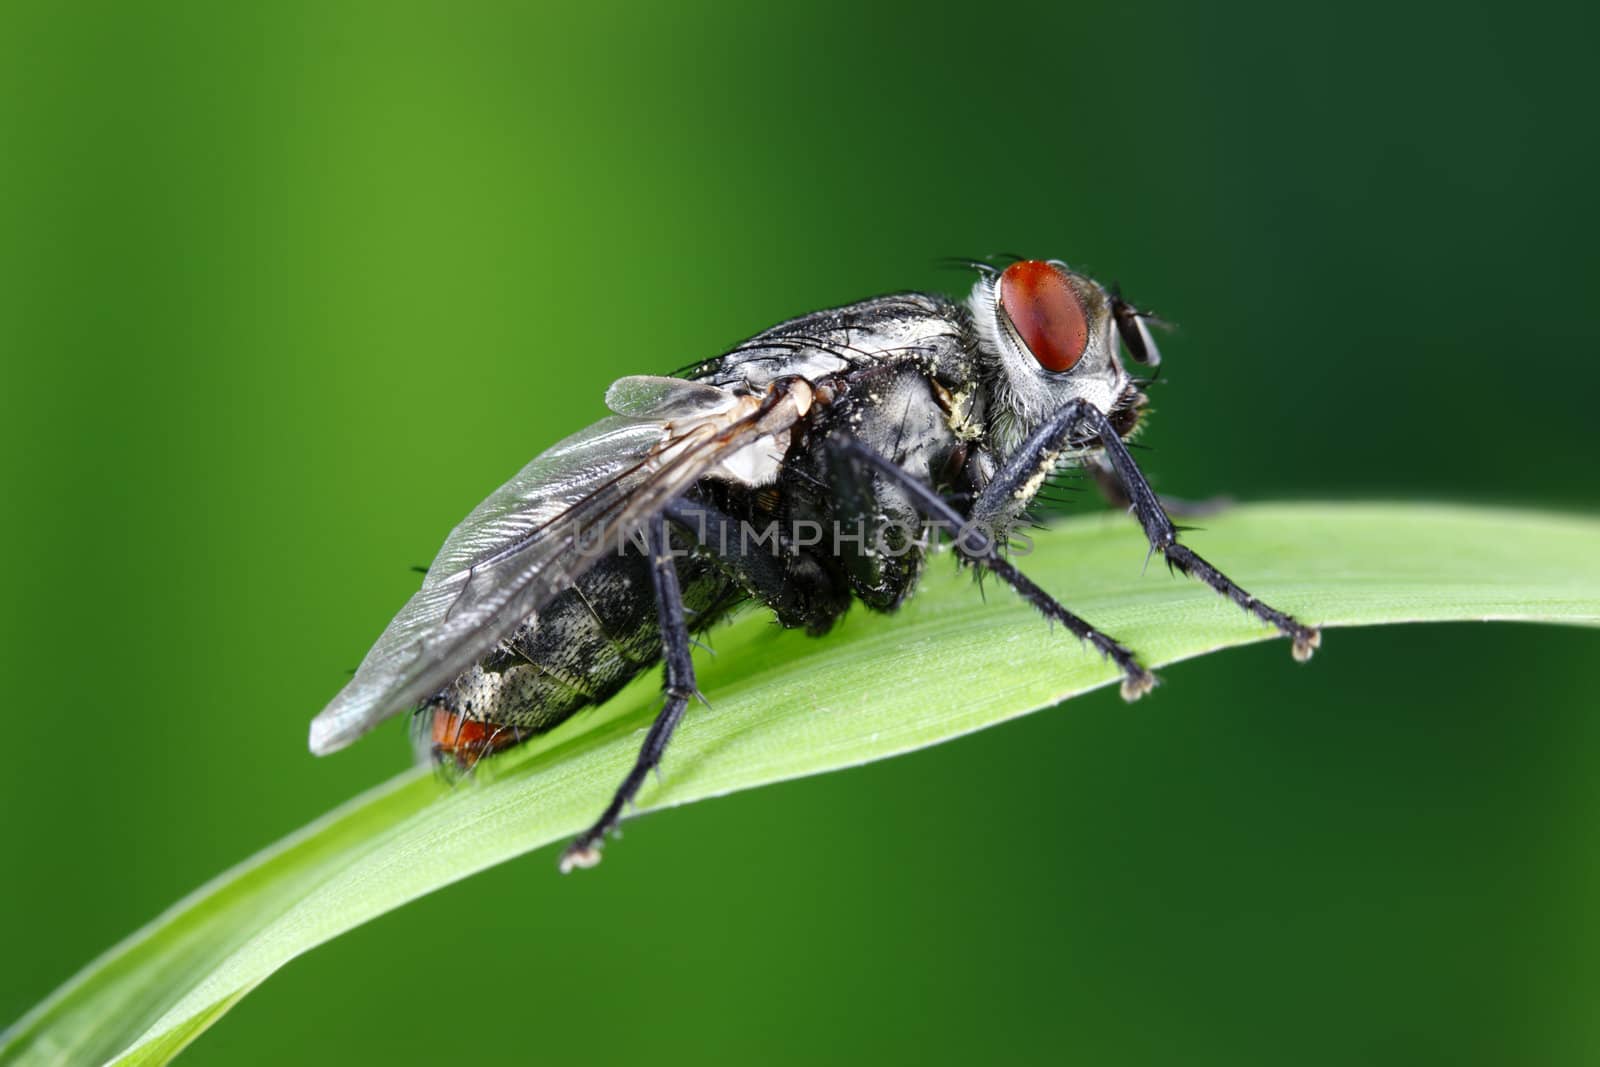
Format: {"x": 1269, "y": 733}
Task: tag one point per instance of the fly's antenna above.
{"x": 966, "y": 263}
{"x": 985, "y": 265}
{"x": 1154, "y": 379}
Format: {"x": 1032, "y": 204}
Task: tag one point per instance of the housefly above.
{"x": 873, "y": 423}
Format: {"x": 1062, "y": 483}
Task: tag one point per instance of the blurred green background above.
{"x": 286, "y": 288}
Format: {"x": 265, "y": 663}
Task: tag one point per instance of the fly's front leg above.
{"x": 1081, "y": 423}
{"x": 974, "y": 543}
{"x": 679, "y": 687}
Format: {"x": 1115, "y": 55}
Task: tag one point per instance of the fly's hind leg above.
{"x": 975, "y": 544}
{"x": 678, "y": 687}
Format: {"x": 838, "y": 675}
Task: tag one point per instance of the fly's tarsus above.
{"x": 1306, "y": 639}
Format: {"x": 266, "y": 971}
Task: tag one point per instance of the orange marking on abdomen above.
{"x": 469, "y": 740}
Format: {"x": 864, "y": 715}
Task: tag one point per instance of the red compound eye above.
{"x": 1042, "y": 305}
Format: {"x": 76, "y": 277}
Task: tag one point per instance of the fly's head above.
{"x": 1050, "y": 336}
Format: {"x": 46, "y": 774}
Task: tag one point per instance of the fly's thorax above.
{"x": 823, "y": 344}
{"x": 1046, "y": 336}
{"x": 872, "y": 534}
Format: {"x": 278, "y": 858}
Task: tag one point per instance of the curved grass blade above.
{"x": 772, "y": 718}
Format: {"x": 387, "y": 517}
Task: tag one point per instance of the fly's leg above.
{"x": 1081, "y": 423}
{"x": 975, "y": 544}
{"x": 678, "y": 688}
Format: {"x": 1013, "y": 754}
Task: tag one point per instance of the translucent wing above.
{"x": 537, "y": 534}
{"x": 651, "y": 397}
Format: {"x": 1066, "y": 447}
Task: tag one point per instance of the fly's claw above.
{"x": 1306, "y": 641}
{"x": 579, "y": 855}
{"x": 1136, "y": 685}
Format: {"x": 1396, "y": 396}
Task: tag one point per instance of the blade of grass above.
{"x": 784, "y": 706}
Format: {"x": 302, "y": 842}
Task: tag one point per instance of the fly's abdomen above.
{"x": 588, "y": 643}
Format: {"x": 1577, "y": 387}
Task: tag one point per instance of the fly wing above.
{"x": 495, "y": 568}
{"x": 535, "y": 536}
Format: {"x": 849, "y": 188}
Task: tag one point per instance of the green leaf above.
{"x": 783, "y": 705}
